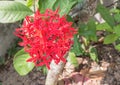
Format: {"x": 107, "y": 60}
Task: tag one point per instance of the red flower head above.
{"x": 46, "y": 37}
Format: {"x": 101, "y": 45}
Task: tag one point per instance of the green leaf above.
{"x": 93, "y": 54}
{"x": 65, "y": 6}
{"x": 104, "y": 26}
{"x": 21, "y": 1}
{"x": 72, "y": 59}
{"x": 92, "y": 30}
{"x": 91, "y": 25}
{"x": 20, "y": 52}
{"x": 20, "y": 64}
{"x": 45, "y": 4}
{"x": 30, "y": 3}
{"x": 117, "y": 29}
{"x": 117, "y": 47}
{"x": 88, "y": 31}
{"x": 43, "y": 68}
{"x": 110, "y": 38}
{"x": 69, "y": 18}
{"x": 77, "y": 46}
{"x": 114, "y": 11}
{"x": 12, "y": 11}
{"x": 117, "y": 17}
{"x": 106, "y": 15}
{"x": 82, "y": 29}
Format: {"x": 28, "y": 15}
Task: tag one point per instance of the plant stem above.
{"x": 54, "y": 72}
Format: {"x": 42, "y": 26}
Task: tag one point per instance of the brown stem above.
{"x": 53, "y": 73}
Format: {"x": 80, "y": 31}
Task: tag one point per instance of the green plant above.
{"x": 88, "y": 36}
{"x": 12, "y": 11}
{"x": 22, "y": 8}
{"x": 111, "y": 26}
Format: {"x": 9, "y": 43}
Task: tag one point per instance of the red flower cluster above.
{"x": 46, "y": 37}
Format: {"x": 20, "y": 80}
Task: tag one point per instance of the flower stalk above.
{"x": 54, "y": 72}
